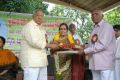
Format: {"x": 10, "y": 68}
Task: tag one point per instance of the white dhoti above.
{"x": 103, "y": 74}
{"x": 35, "y": 73}
{"x": 117, "y": 69}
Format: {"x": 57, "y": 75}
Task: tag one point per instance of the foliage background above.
{"x": 22, "y": 6}
{"x": 80, "y": 18}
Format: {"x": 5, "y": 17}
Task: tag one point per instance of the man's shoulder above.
{"x": 26, "y": 27}
{"x": 29, "y": 23}
{"x": 76, "y": 35}
{"x": 106, "y": 23}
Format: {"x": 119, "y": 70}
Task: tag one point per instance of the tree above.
{"x": 23, "y": 6}
{"x": 81, "y": 18}
{"x": 84, "y": 23}
{"x": 113, "y": 16}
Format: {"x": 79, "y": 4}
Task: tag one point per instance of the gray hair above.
{"x": 98, "y": 10}
{"x": 37, "y": 10}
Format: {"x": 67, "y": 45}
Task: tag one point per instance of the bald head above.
{"x": 97, "y": 15}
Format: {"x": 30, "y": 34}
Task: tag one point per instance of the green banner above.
{"x": 12, "y": 23}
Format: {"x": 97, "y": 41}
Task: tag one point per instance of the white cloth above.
{"x": 33, "y": 53}
{"x": 103, "y": 75}
{"x": 76, "y": 36}
{"x": 35, "y": 73}
{"x": 117, "y": 55}
{"x": 117, "y": 60}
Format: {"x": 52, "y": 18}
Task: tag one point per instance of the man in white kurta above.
{"x": 33, "y": 55}
{"x": 117, "y": 55}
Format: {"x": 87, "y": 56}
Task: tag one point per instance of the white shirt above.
{"x": 102, "y": 52}
{"x": 76, "y": 36}
{"x": 117, "y": 55}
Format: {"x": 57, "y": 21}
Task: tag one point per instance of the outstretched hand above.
{"x": 54, "y": 46}
{"x": 81, "y": 50}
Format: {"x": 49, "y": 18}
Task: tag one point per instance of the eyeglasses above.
{"x": 63, "y": 29}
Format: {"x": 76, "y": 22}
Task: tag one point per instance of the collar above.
{"x": 99, "y": 24}
{"x": 34, "y": 23}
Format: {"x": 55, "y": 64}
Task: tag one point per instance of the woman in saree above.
{"x": 63, "y": 61}
{"x": 7, "y": 62}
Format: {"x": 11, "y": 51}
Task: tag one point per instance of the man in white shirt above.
{"x": 33, "y": 55}
{"x": 117, "y": 55}
{"x": 101, "y": 48}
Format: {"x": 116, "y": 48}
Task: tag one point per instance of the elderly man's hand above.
{"x": 81, "y": 50}
{"x": 54, "y": 46}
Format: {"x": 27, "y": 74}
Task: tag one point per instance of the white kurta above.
{"x": 117, "y": 60}
{"x": 33, "y": 55}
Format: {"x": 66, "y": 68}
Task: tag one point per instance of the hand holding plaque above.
{"x": 80, "y": 48}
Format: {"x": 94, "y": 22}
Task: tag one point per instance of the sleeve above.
{"x": 104, "y": 39}
{"x": 34, "y": 37}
